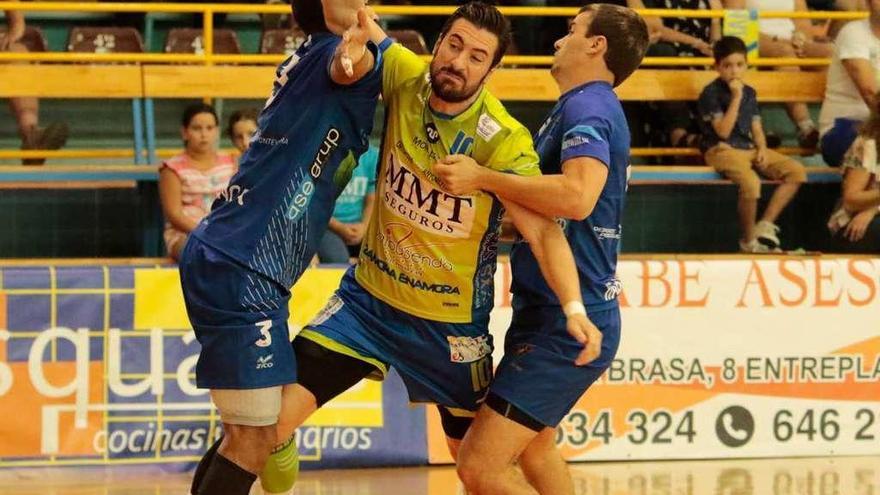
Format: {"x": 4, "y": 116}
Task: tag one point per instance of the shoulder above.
{"x": 177, "y": 164}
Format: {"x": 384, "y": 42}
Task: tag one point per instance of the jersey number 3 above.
{"x": 265, "y": 336}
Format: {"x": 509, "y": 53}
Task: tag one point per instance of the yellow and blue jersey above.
{"x": 427, "y": 252}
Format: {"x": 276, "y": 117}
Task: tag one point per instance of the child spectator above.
{"x": 855, "y": 226}
{"x": 352, "y": 212}
{"x": 242, "y": 127}
{"x": 734, "y": 144}
{"x": 189, "y": 182}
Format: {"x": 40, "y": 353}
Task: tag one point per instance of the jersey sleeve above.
{"x": 398, "y": 65}
{"x": 516, "y": 154}
{"x": 709, "y": 106}
{"x": 585, "y": 133}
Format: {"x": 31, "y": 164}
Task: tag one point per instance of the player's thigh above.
{"x": 492, "y": 444}
{"x": 537, "y": 383}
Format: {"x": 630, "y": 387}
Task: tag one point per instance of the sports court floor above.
{"x": 802, "y": 476}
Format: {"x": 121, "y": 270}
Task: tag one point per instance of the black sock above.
{"x": 202, "y": 468}
{"x": 224, "y": 477}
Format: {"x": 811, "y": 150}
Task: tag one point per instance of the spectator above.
{"x": 27, "y": 109}
{"x": 851, "y": 86}
{"x": 352, "y": 212}
{"x": 789, "y": 38}
{"x": 690, "y": 37}
{"x": 242, "y": 127}
{"x": 735, "y": 146}
{"x": 854, "y": 226}
{"x": 189, "y": 182}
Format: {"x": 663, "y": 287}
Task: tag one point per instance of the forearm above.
{"x": 180, "y": 221}
{"x": 758, "y": 136}
{"x": 551, "y": 250}
{"x": 861, "y": 200}
{"x": 672, "y": 36}
{"x": 551, "y": 195}
{"x": 728, "y": 121}
{"x": 336, "y": 226}
{"x": 361, "y": 64}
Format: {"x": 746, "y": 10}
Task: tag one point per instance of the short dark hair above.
{"x": 309, "y": 16}
{"x": 484, "y": 16}
{"x": 239, "y": 115}
{"x": 625, "y": 33}
{"x": 727, "y": 46}
{"x": 196, "y": 108}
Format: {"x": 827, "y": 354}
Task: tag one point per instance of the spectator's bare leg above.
{"x": 797, "y": 112}
{"x": 26, "y": 110}
{"x": 747, "y": 210}
{"x": 782, "y": 196}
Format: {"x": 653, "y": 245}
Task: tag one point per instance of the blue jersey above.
{"x": 588, "y": 121}
{"x": 311, "y": 133}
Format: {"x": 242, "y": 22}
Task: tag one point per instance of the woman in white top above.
{"x": 789, "y": 38}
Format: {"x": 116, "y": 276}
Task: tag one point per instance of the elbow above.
{"x": 580, "y": 210}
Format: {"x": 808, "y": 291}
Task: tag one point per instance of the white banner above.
{"x": 734, "y": 358}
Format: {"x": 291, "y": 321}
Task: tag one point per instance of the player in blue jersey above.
{"x": 240, "y": 262}
{"x": 584, "y": 151}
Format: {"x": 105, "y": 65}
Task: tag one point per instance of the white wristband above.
{"x": 574, "y": 308}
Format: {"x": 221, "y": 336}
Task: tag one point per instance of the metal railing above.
{"x": 209, "y": 57}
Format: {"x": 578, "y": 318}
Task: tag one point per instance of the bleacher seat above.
{"x": 277, "y": 41}
{"x": 410, "y": 39}
{"x": 105, "y": 40}
{"x": 33, "y": 39}
{"x": 190, "y": 40}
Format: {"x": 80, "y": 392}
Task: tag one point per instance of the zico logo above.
{"x": 426, "y": 207}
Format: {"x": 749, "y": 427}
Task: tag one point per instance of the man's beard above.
{"x": 452, "y": 95}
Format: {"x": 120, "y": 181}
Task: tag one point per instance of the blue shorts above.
{"x": 449, "y": 364}
{"x": 538, "y": 374}
{"x": 838, "y": 139}
{"x": 240, "y": 319}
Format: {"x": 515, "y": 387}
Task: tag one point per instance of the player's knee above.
{"x": 795, "y": 174}
{"x": 473, "y": 474}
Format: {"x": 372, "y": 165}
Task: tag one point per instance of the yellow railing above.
{"x": 209, "y": 57}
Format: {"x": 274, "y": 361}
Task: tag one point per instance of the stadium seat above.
{"x": 410, "y": 39}
{"x": 105, "y": 40}
{"x": 284, "y": 41}
{"x": 33, "y": 39}
{"x": 189, "y": 40}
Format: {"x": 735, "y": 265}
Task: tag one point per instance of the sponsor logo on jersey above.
{"x": 432, "y": 132}
{"x": 468, "y": 349}
{"x": 234, "y": 193}
{"x": 299, "y": 202}
{"x": 462, "y": 144}
{"x": 408, "y": 252}
{"x": 426, "y": 207}
{"x": 607, "y": 233}
{"x": 613, "y": 288}
{"x": 404, "y": 278}
{"x": 265, "y": 362}
{"x": 487, "y": 127}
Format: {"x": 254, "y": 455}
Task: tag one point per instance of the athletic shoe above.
{"x": 52, "y": 137}
{"x": 767, "y": 234}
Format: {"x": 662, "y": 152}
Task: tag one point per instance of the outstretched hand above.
{"x": 354, "y": 41}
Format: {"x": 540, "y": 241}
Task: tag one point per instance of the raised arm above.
{"x": 550, "y": 247}
{"x": 352, "y": 59}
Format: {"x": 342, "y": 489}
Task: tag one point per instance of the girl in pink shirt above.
{"x": 189, "y": 182}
